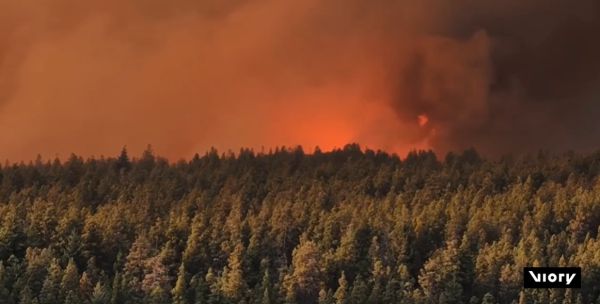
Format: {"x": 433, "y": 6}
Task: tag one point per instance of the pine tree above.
{"x": 200, "y": 290}
{"x": 523, "y": 298}
{"x": 135, "y": 266}
{"x": 169, "y": 257}
{"x": 158, "y": 296}
{"x": 26, "y": 296}
{"x": 325, "y": 296}
{"x": 555, "y": 296}
{"x": 156, "y": 277}
{"x": 13, "y": 271}
{"x": 72, "y": 297}
{"x": 376, "y": 293}
{"x": 302, "y": 284}
{"x": 92, "y": 271}
{"x": 50, "y": 292}
{"x": 360, "y": 291}
{"x": 541, "y": 296}
{"x": 488, "y": 298}
{"x": 233, "y": 284}
{"x": 194, "y": 250}
{"x": 86, "y": 286}
{"x": 123, "y": 164}
{"x": 378, "y": 275}
{"x": 5, "y": 296}
{"x": 11, "y": 237}
{"x": 439, "y": 276}
{"x": 212, "y": 282}
{"x": 117, "y": 293}
{"x": 452, "y": 293}
{"x": 70, "y": 281}
{"x": 393, "y": 292}
{"x": 100, "y": 295}
{"x": 267, "y": 292}
{"x": 266, "y": 298}
{"x": 406, "y": 284}
{"x": 341, "y": 294}
{"x": 180, "y": 289}
{"x": 36, "y": 272}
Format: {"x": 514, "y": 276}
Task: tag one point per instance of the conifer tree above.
{"x": 302, "y": 284}
{"x": 393, "y": 291}
{"x": 452, "y": 293}
{"x": 488, "y": 298}
{"x": 86, "y": 286}
{"x": 523, "y": 298}
{"x": 100, "y": 295}
{"x": 70, "y": 282}
{"x": 117, "y": 295}
{"x": 158, "y": 296}
{"x": 233, "y": 284}
{"x": 156, "y": 277}
{"x": 439, "y": 276}
{"x": 5, "y": 296}
{"x": 341, "y": 294}
{"x": 72, "y": 297}
{"x": 180, "y": 290}
{"x": 405, "y": 281}
{"x": 325, "y": 297}
{"x": 201, "y": 290}
{"x": 136, "y": 265}
{"x": 50, "y": 292}
{"x": 123, "y": 163}
{"x": 267, "y": 292}
{"x": 360, "y": 291}
{"x": 26, "y": 296}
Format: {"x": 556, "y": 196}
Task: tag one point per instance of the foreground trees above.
{"x": 348, "y": 226}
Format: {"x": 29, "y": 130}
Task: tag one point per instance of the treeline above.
{"x": 347, "y": 227}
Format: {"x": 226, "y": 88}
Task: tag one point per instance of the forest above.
{"x": 347, "y": 226}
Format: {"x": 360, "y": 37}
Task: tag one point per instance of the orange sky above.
{"x": 91, "y": 77}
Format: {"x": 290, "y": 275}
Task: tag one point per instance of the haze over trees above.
{"x": 346, "y": 227}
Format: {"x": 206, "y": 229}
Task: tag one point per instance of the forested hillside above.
{"x": 348, "y": 226}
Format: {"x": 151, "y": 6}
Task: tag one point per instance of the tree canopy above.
{"x": 346, "y": 226}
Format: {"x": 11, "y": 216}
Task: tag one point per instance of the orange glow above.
{"x": 422, "y": 120}
{"x": 185, "y": 76}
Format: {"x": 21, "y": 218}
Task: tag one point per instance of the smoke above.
{"x": 90, "y": 77}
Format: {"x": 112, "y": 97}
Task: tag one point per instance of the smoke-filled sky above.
{"x": 90, "y": 77}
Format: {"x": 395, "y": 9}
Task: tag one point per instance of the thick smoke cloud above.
{"x": 544, "y": 76}
{"x": 92, "y": 76}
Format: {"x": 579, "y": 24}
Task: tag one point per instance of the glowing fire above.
{"x": 422, "y": 120}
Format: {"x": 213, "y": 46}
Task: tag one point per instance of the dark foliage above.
{"x": 348, "y": 226}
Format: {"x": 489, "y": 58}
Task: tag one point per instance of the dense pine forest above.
{"x": 348, "y": 226}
